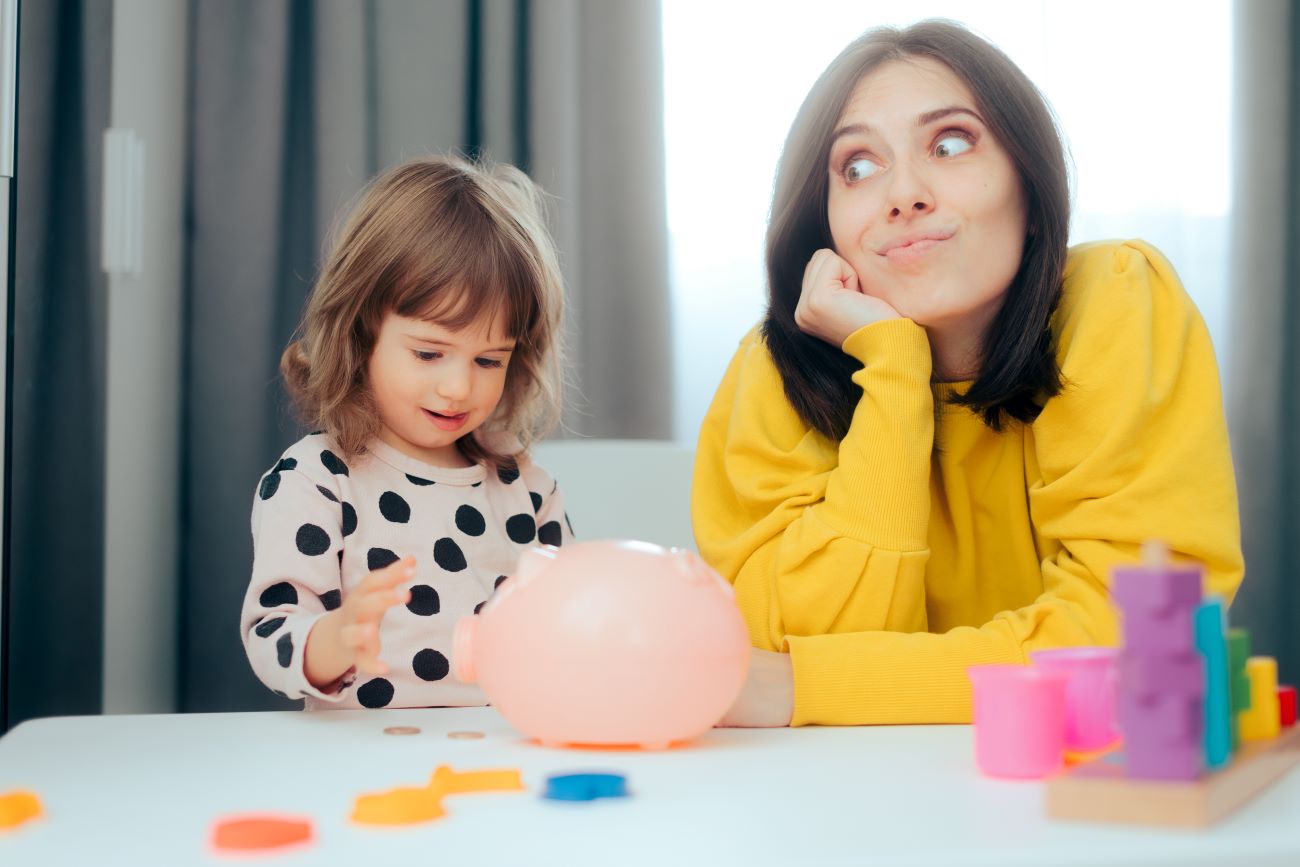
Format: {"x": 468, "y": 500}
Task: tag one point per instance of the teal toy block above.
{"x": 1212, "y": 644}
{"x": 1238, "y": 682}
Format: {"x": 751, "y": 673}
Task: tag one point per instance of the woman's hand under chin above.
{"x": 832, "y": 304}
{"x": 767, "y": 698}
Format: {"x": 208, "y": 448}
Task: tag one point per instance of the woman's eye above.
{"x": 489, "y": 362}
{"x": 859, "y": 170}
{"x": 951, "y": 145}
{"x": 424, "y": 355}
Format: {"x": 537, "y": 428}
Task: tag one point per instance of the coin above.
{"x": 464, "y": 736}
{"x": 402, "y": 730}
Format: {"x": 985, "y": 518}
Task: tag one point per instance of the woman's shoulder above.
{"x": 1118, "y": 288}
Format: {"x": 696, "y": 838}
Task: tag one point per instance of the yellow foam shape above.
{"x": 18, "y": 807}
{"x": 409, "y": 806}
{"x": 1263, "y": 719}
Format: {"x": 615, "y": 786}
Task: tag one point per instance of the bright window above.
{"x": 1146, "y": 116}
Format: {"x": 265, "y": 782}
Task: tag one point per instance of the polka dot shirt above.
{"x": 322, "y": 524}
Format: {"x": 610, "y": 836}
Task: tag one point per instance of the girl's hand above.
{"x": 832, "y": 304}
{"x": 349, "y": 635}
{"x": 767, "y": 698}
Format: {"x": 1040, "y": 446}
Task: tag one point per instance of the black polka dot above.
{"x": 424, "y": 600}
{"x": 479, "y": 607}
{"x": 550, "y": 534}
{"x": 469, "y": 521}
{"x": 521, "y": 528}
{"x": 266, "y": 627}
{"x": 349, "y": 519}
{"x": 430, "y": 665}
{"x": 568, "y": 523}
{"x": 476, "y": 484}
{"x": 501, "y": 579}
{"x": 331, "y": 600}
{"x": 537, "y": 500}
{"x": 416, "y": 480}
{"x": 329, "y": 495}
{"x": 312, "y": 540}
{"x": 277, "y": 595}
{"x": 333, "y": 464}
{"x": 507, "y": 473}
{"x": 378, "y": 558}
{"x": 284, "y": 649}
{"x": 375, "y": 693}
{"x": 286, "y": 464}
{"x": 270, "y": 484}
{"x": 447, "y": 554}
{"x": 394, "y": 508}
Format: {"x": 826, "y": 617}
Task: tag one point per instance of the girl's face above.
{"x": 433, "y": 385}
{"x": 924, "y": 203}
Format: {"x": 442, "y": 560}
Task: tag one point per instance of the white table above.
{"x": 143, "y": 790}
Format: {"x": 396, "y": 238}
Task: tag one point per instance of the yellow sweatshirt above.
{"x": 924, "y": 542}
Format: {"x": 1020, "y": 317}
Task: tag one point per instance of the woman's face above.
{"x": 924, "y": 203}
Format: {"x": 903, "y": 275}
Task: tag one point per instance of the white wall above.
{"x": 142, "y": 493}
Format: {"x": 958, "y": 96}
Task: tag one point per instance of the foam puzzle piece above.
{"x": 18, "y": 808}
{"x": 585, "y": 786}
{"x": 409, "y": 806}
{"x": 258, "y": 832}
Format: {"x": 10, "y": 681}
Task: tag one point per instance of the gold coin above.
{"x": 465, "y": 736}
{"x": 402, "y": 730}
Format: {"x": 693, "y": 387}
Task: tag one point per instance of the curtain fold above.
{"x": 294, "y": 107}
{"x": 1264, "y": 385}
{"x": 56, "y": 508}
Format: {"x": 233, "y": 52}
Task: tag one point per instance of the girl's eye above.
{"x": 952, "y": 144}
{"x": 859, "y": 170}
{"x": 489, "y": 362}
{"x": 425, "y": 355}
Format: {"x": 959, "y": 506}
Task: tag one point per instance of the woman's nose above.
{"x": 909, "y": 195}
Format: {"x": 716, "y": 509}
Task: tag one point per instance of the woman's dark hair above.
{"x": 1018, "y": 370}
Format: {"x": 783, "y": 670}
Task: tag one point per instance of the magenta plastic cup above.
{"x": 1091, "y": 717}
{"x": 1019, "y": 717}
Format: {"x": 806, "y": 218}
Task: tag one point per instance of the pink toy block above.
{"x": 1156, "y": 589}
{"x": 1149, "y": 674}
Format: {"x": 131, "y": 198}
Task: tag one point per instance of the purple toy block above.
{"x": 1169, "y": 634}
{"x": 1153, "y": 590}
{"x": 1175, "y": 762}
{"x": 1160, "y": 718}
{"x": 1146, "y": 674}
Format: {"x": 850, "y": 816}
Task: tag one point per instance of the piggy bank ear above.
{"x": 535, "y": 561}
{"x": 689, "y": 565}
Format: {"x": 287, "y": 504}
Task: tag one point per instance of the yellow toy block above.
{"x": 1263, "y": 719}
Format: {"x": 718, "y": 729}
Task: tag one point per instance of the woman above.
{"x": 949, "y": 428}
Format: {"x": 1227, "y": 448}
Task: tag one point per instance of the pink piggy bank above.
{"x": 608, "y": 643}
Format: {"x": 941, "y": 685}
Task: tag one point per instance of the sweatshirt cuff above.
{"x": 899, "y": 339}
{"x": 285, "y": 665}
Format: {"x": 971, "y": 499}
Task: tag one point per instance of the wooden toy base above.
{"x": 1099, "y": 791}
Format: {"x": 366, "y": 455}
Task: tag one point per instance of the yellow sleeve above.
{"x": 1135, "y": 448}
{"x": 817, "y": 538}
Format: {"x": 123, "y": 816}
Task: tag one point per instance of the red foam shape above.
{"x": 260, "y": 831}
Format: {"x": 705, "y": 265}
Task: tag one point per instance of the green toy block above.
{"x": 1238, "y": 682}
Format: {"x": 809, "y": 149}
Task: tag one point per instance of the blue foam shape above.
{"x": 585, "y": 787}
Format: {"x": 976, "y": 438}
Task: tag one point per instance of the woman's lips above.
{"x": 447, "y": 421}
{"x": 906, "y": 254}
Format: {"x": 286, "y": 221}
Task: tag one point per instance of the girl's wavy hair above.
{"x": 445, "y": 240}
{"x": 1018, "y": 370}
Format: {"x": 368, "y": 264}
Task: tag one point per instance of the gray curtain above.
{"x": 1264, "y": 392}
{"x": 56, "y": 507}
{"x": 295, "y": 105}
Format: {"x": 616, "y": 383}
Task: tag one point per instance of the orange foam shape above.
{"x": 409, "y": 806}
{"x": 17, "y": 808}
{"x": 260, "y": 831}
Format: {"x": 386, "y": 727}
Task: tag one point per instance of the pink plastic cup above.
{"x": 1091, "y": 720}
{"x": 1019, "y": 716}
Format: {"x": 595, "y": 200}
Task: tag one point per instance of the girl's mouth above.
{"x": 447, "y": 421}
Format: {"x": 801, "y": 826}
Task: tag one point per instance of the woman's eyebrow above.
{"x": 925, "y": 119}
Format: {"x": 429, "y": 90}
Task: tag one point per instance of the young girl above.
{"x": 429, "y": 358}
